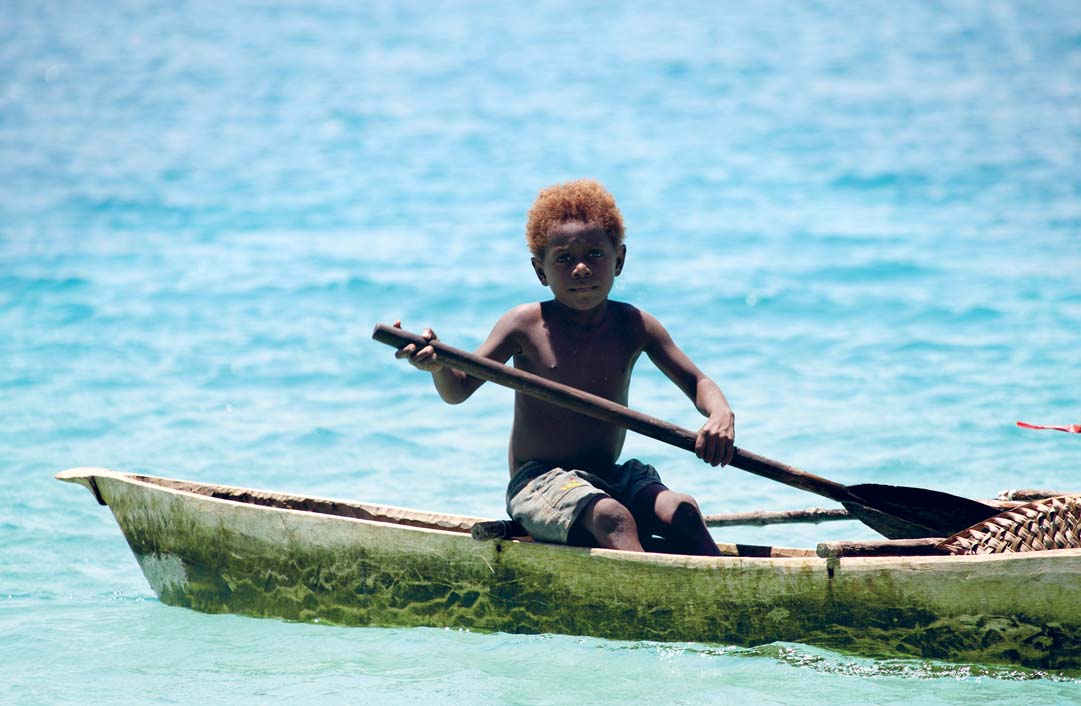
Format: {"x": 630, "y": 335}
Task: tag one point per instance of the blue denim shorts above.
{"x": 546, "y": 501}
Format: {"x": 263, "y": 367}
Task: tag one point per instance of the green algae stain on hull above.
{"x": 218, "y": 556}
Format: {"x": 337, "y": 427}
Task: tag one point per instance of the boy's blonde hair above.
{"x": 583, "y": 200}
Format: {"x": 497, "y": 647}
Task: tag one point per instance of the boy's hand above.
{"x": 716, "y": 439}
{"x": 425, "y": 358}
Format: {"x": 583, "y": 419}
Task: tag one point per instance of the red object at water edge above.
{"x": 1072, "y": 428}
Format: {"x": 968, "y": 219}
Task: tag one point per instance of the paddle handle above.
{"x": 607, "y": 410}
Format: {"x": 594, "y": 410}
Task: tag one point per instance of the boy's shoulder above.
{"x": 517, "y": 323}
{"x": 523, "y": 315}
{"x": 631, "y": 316}
{"x": 639, "y": 323}
{"x": 624, "y": 309}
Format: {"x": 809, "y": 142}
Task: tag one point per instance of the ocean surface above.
{"x": 862, "y": 219}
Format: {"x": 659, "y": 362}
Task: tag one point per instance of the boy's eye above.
{"x": 564, "y": 258}
{"x": 596, "y": 253}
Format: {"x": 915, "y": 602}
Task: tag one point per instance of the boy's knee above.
{"x": 609, "y": 516}
{"x": 687, "y": 514}
{"x": 675, "y": 507}
{"x": 606, "y": 523}
{"x": 682, "y": 499}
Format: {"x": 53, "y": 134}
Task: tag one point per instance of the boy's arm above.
{"x": 716, "y": 439}
{"x": 454, "y": 386}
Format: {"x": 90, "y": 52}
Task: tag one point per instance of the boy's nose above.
{"x": 581, "y": 270}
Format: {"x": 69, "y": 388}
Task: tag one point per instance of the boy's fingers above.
{"x": 714, "y": 450}
{"x": 706, "y": 449}
{"x": 711, "y": 451}
{"x": 405, "y": 351}
{"x": 425, "y": 359}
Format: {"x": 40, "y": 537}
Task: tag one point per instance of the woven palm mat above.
{"x": 1052, "y": 523}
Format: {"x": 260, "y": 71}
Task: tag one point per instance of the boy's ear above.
{"x": 539, "y": 269}
{"x": 621, "y": 257}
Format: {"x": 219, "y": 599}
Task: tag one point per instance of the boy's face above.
{"x": 580, "y": 264}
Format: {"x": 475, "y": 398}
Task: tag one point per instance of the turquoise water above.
{"x": 863, "y": 220}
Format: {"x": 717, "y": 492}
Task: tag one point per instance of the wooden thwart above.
{"x": 761, "y": 518}
{"x": 505, "y": 529}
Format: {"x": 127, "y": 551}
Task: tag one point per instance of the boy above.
{"x": 565, "y": 483}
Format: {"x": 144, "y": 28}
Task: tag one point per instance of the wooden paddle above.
{"x": 897, "y": 512}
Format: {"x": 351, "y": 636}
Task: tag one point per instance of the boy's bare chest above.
{"x": 600, "y": 364}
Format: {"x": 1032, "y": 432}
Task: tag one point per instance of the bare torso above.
{"x": 597, "y": 358}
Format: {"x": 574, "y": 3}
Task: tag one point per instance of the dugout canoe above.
{"x": 223, "y": 549}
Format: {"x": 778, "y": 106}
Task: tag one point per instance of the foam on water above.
{"x": 862, "y": 221}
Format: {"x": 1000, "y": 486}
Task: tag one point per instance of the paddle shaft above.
{"x": 607, "y": 410}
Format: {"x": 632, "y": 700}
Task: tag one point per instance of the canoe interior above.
{"x": 323, "y": 506}
{"x": 401, "y": 516}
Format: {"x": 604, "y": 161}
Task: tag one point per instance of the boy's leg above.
{"x": 572, "y": 507}
{"x": 674, "y": 516}
{"x": 606, "y": 523}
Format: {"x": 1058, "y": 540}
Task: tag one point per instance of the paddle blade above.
{"x": 899, "y": 512}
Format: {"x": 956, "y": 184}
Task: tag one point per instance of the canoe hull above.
{"x": 219, "y": 556}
